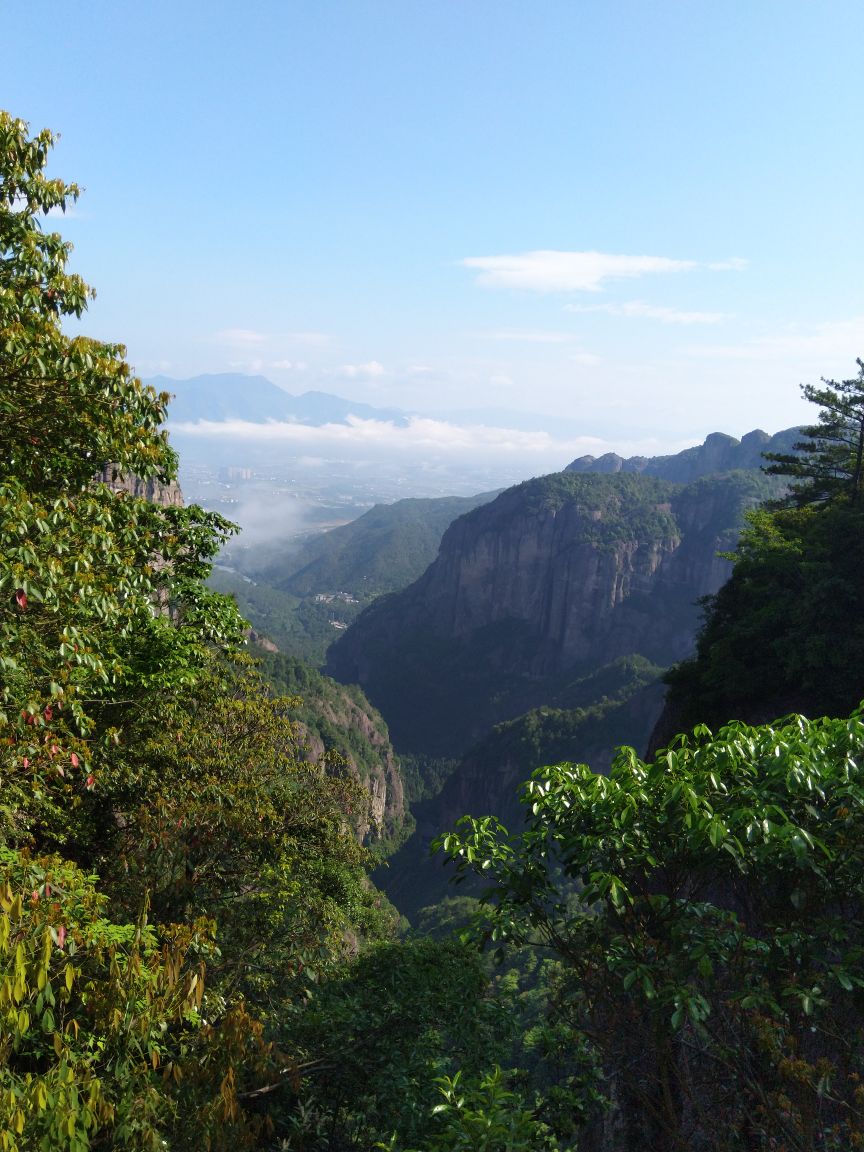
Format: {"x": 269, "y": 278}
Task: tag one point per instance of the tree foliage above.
{"x": 828, "y": 463}
{"x": 708, "y": 905}
{"x": 786, "y": 631}
{"x": 174, "y": 881}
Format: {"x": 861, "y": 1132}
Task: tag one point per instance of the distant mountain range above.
{"x": 229, "y": 396}
{"x": 232, "y": 396}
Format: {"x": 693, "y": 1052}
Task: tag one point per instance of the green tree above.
{"x": 829, "y": 461}
{"x": 382, "y": 1030}
{"x": 83, "y": 569}
{"x": 482, "y": 1114}
{"x": 173, "y": 882}
{"x": 786, "y": 631}
{"x": 709, "y": 907}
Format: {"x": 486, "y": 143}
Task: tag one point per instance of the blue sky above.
{"x": 646, "y": 216}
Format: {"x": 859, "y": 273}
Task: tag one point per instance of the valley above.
{"x": 508, "y": 630}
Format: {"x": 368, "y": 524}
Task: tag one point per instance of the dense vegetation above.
{"x": 707, "y": 905}
{"x": 303, "y": 626}
{"x": 622, "y": 507}
{"x": 785, "y": 632}
{"x": 381, "y": 551}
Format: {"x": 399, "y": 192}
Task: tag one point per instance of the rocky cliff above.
{"x": 555, "y": 578}
{"x": 341, "y": 731}
{"x": 165, "y": 495}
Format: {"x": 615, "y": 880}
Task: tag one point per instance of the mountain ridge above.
{"x": 230, "y": 396}
{"x": 719, "y": 452}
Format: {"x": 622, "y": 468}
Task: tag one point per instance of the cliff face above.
{"x": 380, "y": 777}
{"x": 333, "y": 718}
{"x": 554, "y": 578}
{"x": 165, "y": 495}
{"x": 544, "y": 570}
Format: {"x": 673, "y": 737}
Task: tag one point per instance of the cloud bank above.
{"x": 551, "y": 270}
{"x": 421, "y": 439}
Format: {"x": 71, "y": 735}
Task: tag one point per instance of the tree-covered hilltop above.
{"x": 785, "y": 632}
{"x": 381, "y": 551}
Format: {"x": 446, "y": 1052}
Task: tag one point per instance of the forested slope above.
{"x": 302, "y": 593}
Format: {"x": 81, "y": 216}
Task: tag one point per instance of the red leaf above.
{"x": 74, "y": 759}
{"x": 21, "y": 599}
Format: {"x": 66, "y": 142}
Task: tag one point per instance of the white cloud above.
{"x": 643, "y": 311}
{"x": 288, "y": 365}
{"x": 589, "y": 359}
{"x": 422, "y": 438}
{"x": 304, "y": 337}
{"x": 239, "y": 337}
{"x": 829, "y": 341}
{"x": 556, "y": 271}
{"x": 371, "y": 370}
{"x": 538, "y": 336}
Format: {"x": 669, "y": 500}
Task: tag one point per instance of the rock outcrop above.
{"x": 157, "y": 492}
{"x": 381, "y": 777}
{"x": 340, "y": 731}
{"x": 553, "y": 579}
